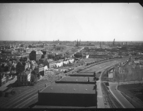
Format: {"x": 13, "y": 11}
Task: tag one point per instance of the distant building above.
{"x": 87, "y": 56}
{"x": 136, "y": 61}
{"x": 113, "y": 42}
{"x": 7, "y": 51}
{"x": 110, "y": 75}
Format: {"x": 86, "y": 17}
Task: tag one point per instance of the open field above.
{"x": 133, "y": 93}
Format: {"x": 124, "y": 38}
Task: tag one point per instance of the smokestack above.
{"x": 113, "y": 42}
{"x": 100, "y": 45}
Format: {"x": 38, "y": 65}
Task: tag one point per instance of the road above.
{"x": 121, "y": 99}
{"x": 112, "y": 88}
{"x": 117, "y": 95}
{"x": 101, "y": 103}
{"x": 77, "y": 51}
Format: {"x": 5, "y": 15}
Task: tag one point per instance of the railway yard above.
{"x": 29, "y": 95}
{"x": 71, "y": 56}
{"x": 80, "y": 80}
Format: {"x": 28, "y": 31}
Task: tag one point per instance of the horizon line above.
{"x": 67, "y": 40}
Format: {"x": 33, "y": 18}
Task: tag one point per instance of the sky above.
{"x": 71, "y": 21}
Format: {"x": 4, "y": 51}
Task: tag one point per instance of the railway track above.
{"x": 17, "y": 99}
{"x": 100, "y": 62}
{"x": 28, "y": 100}
{"x": 22, "y": 100}
{"x": 96, "y": 63}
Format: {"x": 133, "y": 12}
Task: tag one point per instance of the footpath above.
{"x": 101, "y": 103}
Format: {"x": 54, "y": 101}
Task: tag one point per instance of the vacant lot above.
{"x": 129, "y": 72}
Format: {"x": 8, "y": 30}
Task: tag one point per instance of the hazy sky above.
{"x": 71, "y": 21}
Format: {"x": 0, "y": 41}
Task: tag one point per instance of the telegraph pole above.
{"x": 113, "y": 42}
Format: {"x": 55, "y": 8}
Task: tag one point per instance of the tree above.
{"x": 43, "y": 51}
{"x": 32, "y": 55}
{"x": 30, "y": 46}
{"x": 78, "y": 55}
{"x": 117, "y": 76}
{"x": 21, "y": 45}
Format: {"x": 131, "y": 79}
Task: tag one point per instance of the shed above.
{"x": 68, "y": 95}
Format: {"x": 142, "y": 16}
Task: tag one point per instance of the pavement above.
{"x": 100, "y": 99}
{"x": 78, "y": 51}
{"x": 119, "y": 97}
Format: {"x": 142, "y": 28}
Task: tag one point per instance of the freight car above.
{"x": 77, "y": 80}
{"x": 83, "y": 74}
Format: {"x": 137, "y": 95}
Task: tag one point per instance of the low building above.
{"x": 52, "y": 64}
{"x": 8, "y": 51}
{"x": 110, "y": 75}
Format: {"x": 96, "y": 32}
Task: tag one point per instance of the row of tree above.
{"x": 129, "y": 72}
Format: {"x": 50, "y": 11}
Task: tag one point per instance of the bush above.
{"x": 78, "y": 55}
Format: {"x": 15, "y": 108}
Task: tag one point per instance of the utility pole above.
{"x": 113, "y": 42}
{"x": 77, "y": 43}
{"x": 100, "y": 45}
